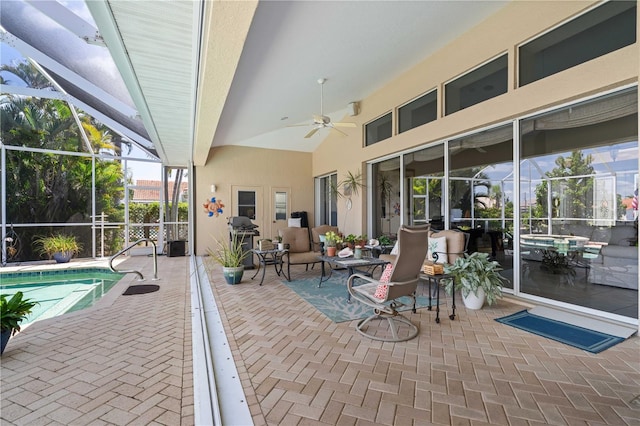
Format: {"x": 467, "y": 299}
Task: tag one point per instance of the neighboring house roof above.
{"x": 148, "y": 191}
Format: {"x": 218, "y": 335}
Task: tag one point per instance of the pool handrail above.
{"x": 133, "y": 271}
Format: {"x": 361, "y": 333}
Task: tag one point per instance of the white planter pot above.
{"x": 473, "y": 301}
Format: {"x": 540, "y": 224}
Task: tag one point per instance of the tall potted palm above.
{"x": 12, "y": 313}
{"x": 230, "y": 255}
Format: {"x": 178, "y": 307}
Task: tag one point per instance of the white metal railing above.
{"x": 133, "y": 271}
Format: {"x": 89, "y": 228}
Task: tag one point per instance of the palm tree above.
{"x": 45, "y": 187}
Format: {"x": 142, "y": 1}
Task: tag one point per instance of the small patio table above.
{"x": 436, "y": 279}
{"x": 269, "y": 257}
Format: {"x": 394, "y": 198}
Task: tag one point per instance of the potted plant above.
{"x": 477, "y": 278}
{"x": 351, "y": 184}
{"x": 230, "y": 256}
{"x": 278, "y": 240}
{"x": 331, "y": 240}
{"x": 59, "y": 247}
{"x": 350, "y": 240}
{"x": 385, "y": 240}
{"x": 12, "y": 313}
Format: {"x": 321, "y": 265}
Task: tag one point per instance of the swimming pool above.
{"x": 59, "y": 292}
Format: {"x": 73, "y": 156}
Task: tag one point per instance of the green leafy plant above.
{"x": 58, "y": 243}
{"x": 351, "y": 184}
{"x": 14, "y": 311}
{"x": 351, "y": 239}
{"x": 229, "y": 254}
{"x": 473, "y": 271}
{"x": 385, "y": 240}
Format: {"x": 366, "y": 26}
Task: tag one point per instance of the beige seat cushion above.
{"x": 306, "y": 257}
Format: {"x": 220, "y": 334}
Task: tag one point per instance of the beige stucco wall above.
{"x": 260, "y": 169}
{"x": 503, "y": 32}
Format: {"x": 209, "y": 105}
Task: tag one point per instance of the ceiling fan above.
{"x": 322, "y": 121}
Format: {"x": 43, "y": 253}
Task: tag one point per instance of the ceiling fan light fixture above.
{"x": 321, "y": 121}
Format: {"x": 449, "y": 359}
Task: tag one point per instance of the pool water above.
{"x": 59, "y": 292}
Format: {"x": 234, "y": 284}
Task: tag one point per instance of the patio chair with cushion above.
{"x": 444, "y": 246}
{"x": 299, "y": 248}
{"x": 317, "y": 232}
{"x": 400, "y": 279}
{"x": 447, "y": 246}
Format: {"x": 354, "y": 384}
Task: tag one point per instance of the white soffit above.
{"x": 157, "y": 53}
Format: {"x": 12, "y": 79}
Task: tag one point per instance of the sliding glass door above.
{"x": 578, "y": 203}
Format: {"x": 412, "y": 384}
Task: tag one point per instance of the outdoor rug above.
{"x": 583, "y": 338}
{"x": 331, "y": 299}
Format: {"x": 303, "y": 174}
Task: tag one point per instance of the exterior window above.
{"x": 485, "y": 82}
{"x": 418, "y": 112}
{"x": 378, "y": 129}
{"x": 247, "y": 204}
{"x": 281, "y": 205}
{"x": 327, "y": 201}
{"x": 607, "y": 28}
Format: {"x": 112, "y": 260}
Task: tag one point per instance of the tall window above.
{"x": 481, "y": 191}
{"x": 602, "y": 30}
{"x": 327, "y": 200}
{"x": 386, "y": 197}
{"x": 424, "y": 173}
{"x": 578, "y": 183}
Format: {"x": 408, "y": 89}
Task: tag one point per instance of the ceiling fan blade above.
{"x": 339, "y": 131}
{"x": 301, "y": 125}
{"x": 344, "y": 124}
{"x": 312, "y": 132}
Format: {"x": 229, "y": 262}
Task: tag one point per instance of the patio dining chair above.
{"x": 384, "y": 295}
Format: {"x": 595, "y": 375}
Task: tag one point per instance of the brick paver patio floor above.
{"x": 128, "y": 361}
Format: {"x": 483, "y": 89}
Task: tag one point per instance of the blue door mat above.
{"x": 583, "y": 338}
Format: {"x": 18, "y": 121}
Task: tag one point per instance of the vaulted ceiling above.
{"x": 210, "y": 73}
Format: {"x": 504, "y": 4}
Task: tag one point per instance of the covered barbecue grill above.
{"x": 245, "y": 230}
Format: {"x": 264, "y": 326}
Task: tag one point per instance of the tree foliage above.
{"x": 573, "y": 194}
{"x": 44, "y": 187}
